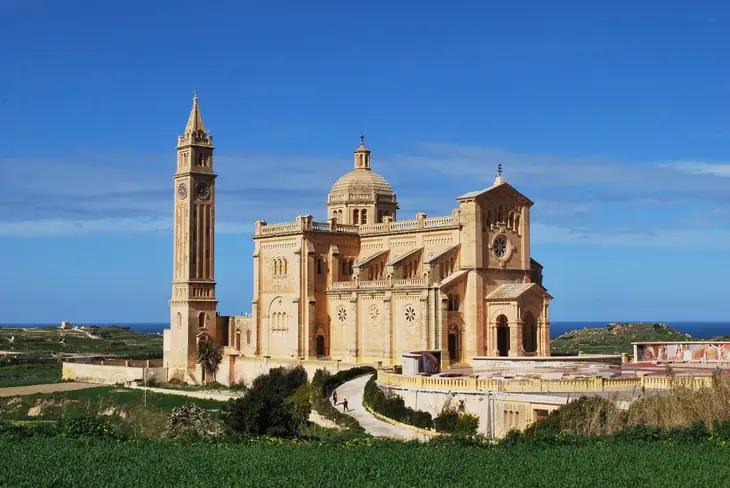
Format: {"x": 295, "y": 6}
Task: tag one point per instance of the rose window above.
{"x": 500, "y": 247}
{"x": 342, "y": 314}
{"x": 410, "y": 313}
{"x": 374, "y": 314}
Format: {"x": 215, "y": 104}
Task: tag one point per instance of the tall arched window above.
{"x": 320, "y": 266}
{"x": 364, "y": 217}
{"x": 179, "y": 321}
{"x": 284, "y": 271}
{"x": 356, "y": 217}
{"x": 201, "y": 320}
{"x": 248, "y": 336}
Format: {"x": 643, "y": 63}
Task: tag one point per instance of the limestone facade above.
{"x": 362, "y": 286}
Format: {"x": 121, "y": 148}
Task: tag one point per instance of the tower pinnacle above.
{"x": 195, "y": 121}
{"x": 499, "y": 179}
{"x": 362, "y": 155}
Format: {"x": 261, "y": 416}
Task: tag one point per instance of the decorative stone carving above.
{"x": 342, "y": 314}
{"x": 410, "y": 314}
{"x": 375, "y": 315}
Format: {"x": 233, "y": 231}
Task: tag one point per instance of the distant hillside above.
{"x": 614, "y": 338}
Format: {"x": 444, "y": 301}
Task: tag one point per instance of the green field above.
{"x": 29, "y": 374}
{"x": 613, "y": 338}
{"x": 61, "y": 462}
{"x": 111, "y": 340}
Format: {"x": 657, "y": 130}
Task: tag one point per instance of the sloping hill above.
{"x": 614, "y": 338}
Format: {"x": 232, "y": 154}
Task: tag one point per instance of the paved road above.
{"x": 46, "y": 388}
{"x": 353, "y": 391}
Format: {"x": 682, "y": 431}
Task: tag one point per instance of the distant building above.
{"x": 362, "y": 286}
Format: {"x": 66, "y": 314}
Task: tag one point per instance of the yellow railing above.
{"x": 539, "y": 385}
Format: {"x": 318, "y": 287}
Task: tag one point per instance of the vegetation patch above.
{"x": 324, "y": 384}
{"x": 614, "y": 338}
{"x": 392, "y": 406}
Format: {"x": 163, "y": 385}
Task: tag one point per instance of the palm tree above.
{"x": 209, "y": 357}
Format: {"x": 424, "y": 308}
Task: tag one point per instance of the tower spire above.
{"x": 195, "y": 121}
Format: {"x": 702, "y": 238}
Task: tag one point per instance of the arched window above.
{"x": 179, "y": 321}
{"x": 284, "y": 321}
{"x": 284, "y": 270}
{"x": 517, "y": 224}
{"x": 350, "y": 263}
{"x": 356, "y": 217}
{"x": 320, "y": 266}
{"x": 364, "y": 217}
{"x": 201, "y": 320}
{"x": 238, "y": 341}
{"x": 248, "y": 336}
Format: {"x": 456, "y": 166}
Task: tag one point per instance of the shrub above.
{"x": 267, "y": 408}
{"x": 452, "y": 421}
{"x": 393, "y": 406}
{"x": 210, "y": 356}
{"x": 324, "y": 384}
{"x": 87, "y": 426}
{"x": 189, "y": 421}
{"x": 586, "y": 416}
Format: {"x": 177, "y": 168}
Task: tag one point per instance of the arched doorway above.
{"x": 503, "y": 335}
{"x": 320, "y": 346}
{"x": 454, "y": 343}
{"x": 529, "y": 334}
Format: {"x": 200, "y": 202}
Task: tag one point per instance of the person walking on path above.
{"x": 334, "y": 396}
{"x": 344, "y": 405}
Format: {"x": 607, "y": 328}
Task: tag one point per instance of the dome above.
{"x": 362, "y": 181}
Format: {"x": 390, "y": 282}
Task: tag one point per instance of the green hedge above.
{"x": 393, "y": 407}
{"x": 324, "y": 383}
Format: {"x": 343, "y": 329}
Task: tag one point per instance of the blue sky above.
{"x": 611, "y": 116}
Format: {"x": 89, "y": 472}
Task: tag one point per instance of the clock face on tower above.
{"x": 202, "y": 191}
{"x": 182, "y": 191}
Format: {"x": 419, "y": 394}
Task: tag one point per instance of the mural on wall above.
{"x": 428, "y": 363}
{"x": 684, "y": 352}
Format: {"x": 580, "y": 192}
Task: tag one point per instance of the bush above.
{"x": 392, "y": 406}
{"x": 586, "y": 416}
{"x": 189, "y": 421}
{"x": 87, "y": 426}
{"x": 267, "y": 408}
{"x": 324, "y": 384}
{"x": 452, "y": 421}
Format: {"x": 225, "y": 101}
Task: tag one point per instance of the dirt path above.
{"x": 353, "y": 391}
{"x": 47, "y": 388}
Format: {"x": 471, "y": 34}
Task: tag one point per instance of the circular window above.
{"x": 342, "y": 314}
{"x": 375, "y": 316}
{"x": 500, "y": 246}
{"x": 410, "y": 314}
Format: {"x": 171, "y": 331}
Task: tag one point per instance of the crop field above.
{"x": 29, "y": 374}
{"x": 63, "y": 462}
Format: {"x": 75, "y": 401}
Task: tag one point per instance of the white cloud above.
{"x": 700, "y": 168}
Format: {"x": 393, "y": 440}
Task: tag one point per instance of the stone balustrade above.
{"x": 306, "y": 224}
{"x": 372, "y": 284}
{"x": 541, "y": 386}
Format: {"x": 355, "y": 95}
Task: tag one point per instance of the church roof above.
{"x": 499, "y": 183}
{"x": 401, "y": 257}
{"x": 453, "y": 277}
{"x": 510, "y": 291}
{"x": 369, "y": 259}
{"x": 434, "y": 256}
{"x": 360, "y": 181}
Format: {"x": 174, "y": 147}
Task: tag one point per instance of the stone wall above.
{"x": 106, "y": 374}
{"x": 498, "y": 412}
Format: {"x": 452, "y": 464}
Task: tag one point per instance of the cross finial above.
{"x": 195, "y": 93}
{"x": 362, "y": 139}
{"x": 499, "y": 169}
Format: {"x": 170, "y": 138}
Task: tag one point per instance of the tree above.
{"x": 209, "y": 357}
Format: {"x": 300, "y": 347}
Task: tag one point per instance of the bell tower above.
{"x": 193, "y": 303}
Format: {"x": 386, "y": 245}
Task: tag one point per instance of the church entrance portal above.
{"x": 502, "y": 336}
{"x": 454, "y": 343}
{"x": 320, "y": 346}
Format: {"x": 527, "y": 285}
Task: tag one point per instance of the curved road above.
{"x": 353, "y": 391}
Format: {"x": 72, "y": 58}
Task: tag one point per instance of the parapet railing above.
{"x": 305, "y": 223}
{"x": 372, "y": 284}
{"x": 129, "y": 363}
{"x": 536, "y": 385}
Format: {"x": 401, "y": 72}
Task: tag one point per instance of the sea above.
{"x": 697, "y": 330}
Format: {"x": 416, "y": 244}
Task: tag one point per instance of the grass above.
{"x": 613, "y": 338}
{"x": 107, "y": 340}
{"x": 63, "y": 462}
{"x": 29, "y": 374}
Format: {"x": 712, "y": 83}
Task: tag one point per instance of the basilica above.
{"x": 362, "y": 286}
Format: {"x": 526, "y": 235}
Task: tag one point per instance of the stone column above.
{"x": 354, "y": 323}
{"x": 515, "y": 339}
{"x": 387, "y": 330}
{"x": 424, "y": 322}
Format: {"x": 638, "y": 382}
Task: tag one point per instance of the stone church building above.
{"x": 362, "y": 286}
